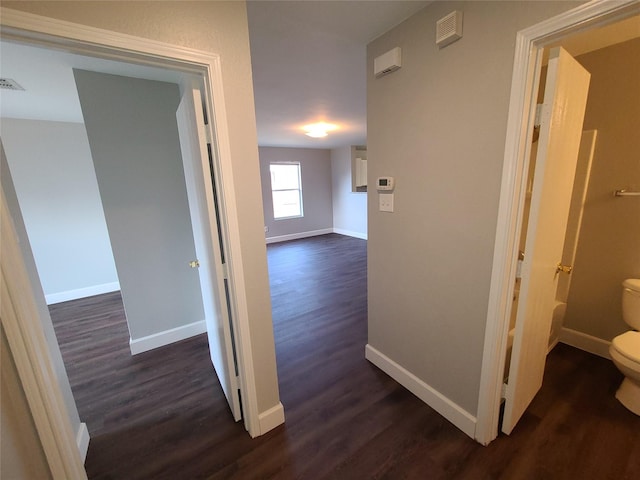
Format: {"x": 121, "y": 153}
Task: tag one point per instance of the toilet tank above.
{"x": 631, "y": 302}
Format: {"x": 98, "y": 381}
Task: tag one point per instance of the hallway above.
{"x": 161, "y": 414}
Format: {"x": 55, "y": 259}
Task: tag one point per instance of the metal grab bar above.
{"x": 626, "y": 193}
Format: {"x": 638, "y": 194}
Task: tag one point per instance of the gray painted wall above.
{"x": 43, "y": 311}
{"x": 56, "y": 186}
{"x": 315, "y": 170}
{"x": 609, "y": 244}
{"x": 349, "y": 208}
{"x": 133, "y": 135}
{"x": 438, "y": 126}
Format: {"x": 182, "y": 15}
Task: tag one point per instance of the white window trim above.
{"x": 288, "y": 189}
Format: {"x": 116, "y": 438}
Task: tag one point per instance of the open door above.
{"x": 202, "y": 206}
{"x": 560, "y": 131}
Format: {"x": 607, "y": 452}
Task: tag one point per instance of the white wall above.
{"x": 221, "y": 28}
{"x": 609, "y": 244}
{"x": 57, "y": 363}
{"x": 438, "y": 125}
{"x": 315, "y": 170}
{"x": 55, "y": 182}
{"x": 349, "y": 208}
{"x": 133, "y": 134}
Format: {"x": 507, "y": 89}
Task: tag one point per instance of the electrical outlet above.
{"x": 266, "y": 229}
{"x": 385, "y": 202}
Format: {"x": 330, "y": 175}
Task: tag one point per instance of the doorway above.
{"x": 142, "y": 194}
{"x": 127, "y": 48}
{"x": 613, "y": 85}
{"x": 519, "y": 133}
{"x": 151, "y": 239}
{"x": 72, "y": 202}
{"x": 562, "y": 117}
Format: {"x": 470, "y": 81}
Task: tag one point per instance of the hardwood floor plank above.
{"x": 162, "y": 414}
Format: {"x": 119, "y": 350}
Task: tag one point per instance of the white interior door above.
{"x": 202, "y": 206}
{"x": 560, "y": 131}
{"x": 576, "y": 210}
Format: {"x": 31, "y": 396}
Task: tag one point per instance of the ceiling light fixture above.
{"x": 319, "y": 130}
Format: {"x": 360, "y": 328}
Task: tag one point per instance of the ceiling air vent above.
{"x": 449, "y": 29}
{"x": 9, "y": 84}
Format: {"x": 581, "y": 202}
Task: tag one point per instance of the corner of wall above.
{"x": 436, "y": 400}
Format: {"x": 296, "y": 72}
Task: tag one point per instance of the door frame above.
{"x": 29, "y": 351}
{"x": 52, "y": 33}
{"x": 530, "y": 43}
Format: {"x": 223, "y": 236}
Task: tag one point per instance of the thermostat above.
{"x": 385, "y": 183}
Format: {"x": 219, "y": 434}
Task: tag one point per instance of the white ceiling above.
{"x": 308, "y": 61}
{"x": 309, "y": 65}
{"x": 49, "y": 87}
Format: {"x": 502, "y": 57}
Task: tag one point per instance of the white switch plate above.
{"x": 385, "y": 202}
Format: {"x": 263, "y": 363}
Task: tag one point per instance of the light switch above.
{"x": 385, "y": 201}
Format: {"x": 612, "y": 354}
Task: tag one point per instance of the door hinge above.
{"x": 207, "y": 135}
{"x": 543, "y": 113}
{"x": 225, "y": 271}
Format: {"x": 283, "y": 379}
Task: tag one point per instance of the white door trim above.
{"x": 58, "y": 34}
{"x": 30, "y": 352}
{"x": 524, "y": 87}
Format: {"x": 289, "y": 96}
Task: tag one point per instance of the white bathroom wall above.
{"x": 52, "y": 170}
{"x": 609, "y": 245}
{"x": 349, "y": 208}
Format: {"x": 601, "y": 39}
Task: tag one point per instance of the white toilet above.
{"x": 625, "y": 348}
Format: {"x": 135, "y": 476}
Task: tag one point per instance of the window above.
{"x": 286, "y": 190}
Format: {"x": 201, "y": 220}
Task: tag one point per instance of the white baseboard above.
{"x": 585, "y": 342}
{"x": 295, "y": 236}
{"x": 350, "y": 233}
{"x": 82, "y": 439}
{"x": 441, "y": 404}
{"x": 81, "y": 293}
{"x": 552, "y": 345}
{"x": 160, "y": 339}
{"x": 271, "y": 418}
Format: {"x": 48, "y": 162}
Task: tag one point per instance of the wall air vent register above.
{"x": 449, "y": 29}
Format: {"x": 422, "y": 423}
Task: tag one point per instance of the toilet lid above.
{"x": 628, "y": 344}
{"x": 632, "y": 284}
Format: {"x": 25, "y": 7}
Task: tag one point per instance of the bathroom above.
{"x": 603, "y": 236}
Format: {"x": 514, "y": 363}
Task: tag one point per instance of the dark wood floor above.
{"x": 161, "y": 414}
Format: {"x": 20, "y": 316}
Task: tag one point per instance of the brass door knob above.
{"x": 564, "y": 268}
